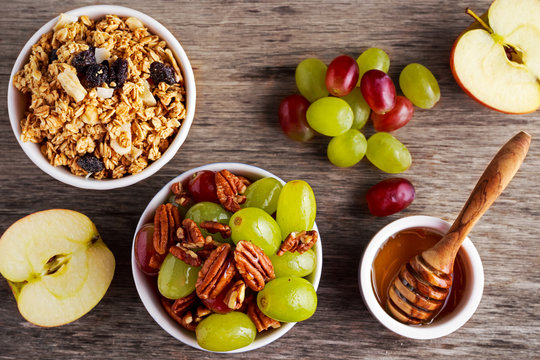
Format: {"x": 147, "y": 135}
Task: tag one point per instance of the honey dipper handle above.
{"x": 491, "y": 184}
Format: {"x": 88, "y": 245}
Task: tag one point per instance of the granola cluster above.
{"x": 123, "y": 124}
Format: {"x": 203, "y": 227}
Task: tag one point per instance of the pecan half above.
{"x": 253, "y": 265}
{"x": 234, "y": 298}
{"x": 168, "y": 308}
{"x": 155, "y": 261}
{"x": 261, "y": 321}
{"x": 166, "y": 221}
{"x": 298, "y": 242}
{"x": 230, "y": 189}
{"x": 180, "y": 306}
{"x": 181, "y": 197}
{"x": 186, "y": 255}
{"x": 217, "y": 272}
{"x": 216, "y": 227}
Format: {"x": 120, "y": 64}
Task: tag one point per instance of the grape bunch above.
{"x": 338, "y": 100}
{"x": 275, "y": 218}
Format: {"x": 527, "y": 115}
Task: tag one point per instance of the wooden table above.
{"x": 244, "y": 55}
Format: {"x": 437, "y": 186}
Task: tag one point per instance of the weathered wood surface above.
{"x": 244, "y": 54}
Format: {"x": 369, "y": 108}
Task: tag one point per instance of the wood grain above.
{"x": 244, "y": 54}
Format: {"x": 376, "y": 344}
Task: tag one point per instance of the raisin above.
{"x": 82, "y": 60}
{"x": 90, "y": 163}
{"x": 96, "y": 74}
{"x": 118, "y": 72}
{"x": 162, "y": 72}
{"x": 53, "y": 56}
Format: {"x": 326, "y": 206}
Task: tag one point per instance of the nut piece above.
{"x": 71, "y": 84}
{"x": 234, "y": 298}
{"x": 166, "y": 221}
{"x": 298, "y": 242}
{"x": 186, "y": 255}
{"x": 190, "y": 321}
{"x": 261, "y": 321}
{"x": 180, "y": 306}
{"x": 65, "y": 19}
{"x": 146, "y": 95}
{"x": 229, "y": 189}
{"x": 253, "y": 264}
{"x": 217, "y": 272}
{"x": 133, "y": 23}
{"x": 190, "y": 235}
{"x": 181, "y": 197}
{"x": 217, "y": 227}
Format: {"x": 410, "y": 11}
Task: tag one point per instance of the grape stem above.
{"x": 468, "y": 11}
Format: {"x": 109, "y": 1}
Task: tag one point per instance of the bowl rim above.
{"x": 64, "y": 175}
{"x": 450, "y": 322}
{"x": 148, "y": 298}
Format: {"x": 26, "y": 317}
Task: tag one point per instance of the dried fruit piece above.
{"x": 217, "y": 272}
{"x": 90, "y": 163}
{"x": 118, "y": 73}
{"x": 253, "y": 265}
{"x": 261, "y": 321}
{"x": 298, "y": 242}
{"x": 161, "y": 72}
{"x": 122, "y": 143}
{"x": 53, "y": 56}
{"x": 84, "y": 59}
{"x": 146, "y": 95}
{"x": 65, "y": 19}
{"x": 71, "y": 84}
{"x": 96, "y": 74}
{"x": 101, "y": 55}
{"x": 104, "y": 93}
{"x": 133, "y": 23}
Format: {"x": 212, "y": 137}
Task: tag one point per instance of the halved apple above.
{"x": 498, "y": 63}
{"x": 57, "y": 266}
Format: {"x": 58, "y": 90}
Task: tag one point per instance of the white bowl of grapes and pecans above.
{"x": 227, "y": 257}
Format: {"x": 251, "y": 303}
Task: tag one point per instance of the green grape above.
{"x": 359, "y": 107}
{"x": 225, "y": 332}
{"x": 294, "y": 264}
{"x": 387, "y": 153}
{"x": 310, "y": 79}
{"x": 263, "y": 194}
{"x": 176, "y": 279}
{"x": 296, "y": 207}
{"x": 372, "y": 58}
{"x": 208, "y": 211}
{"x": 255, "y": 225}
{"x": 288, "y": 299}
{"x": 419, "y": 85}
{"x": 348, "y": 149}
{"x": 330, "y": 116}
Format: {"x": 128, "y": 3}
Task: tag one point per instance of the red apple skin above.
{"x": 475, "y": 25}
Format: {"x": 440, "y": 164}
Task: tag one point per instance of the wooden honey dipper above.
{"x": 419, "y": 290}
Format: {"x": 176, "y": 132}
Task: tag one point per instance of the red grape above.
{"x": 342, "y": 75}
{"x": 292, "y": 117}
{"x": 398, "y": 117}
{"x": 217, "y": 305}
{"x": 390, "y": 196}
{"x": 202, "y": 186}
{"x": 144, "y": 249}
{"x": 378, "y": 90}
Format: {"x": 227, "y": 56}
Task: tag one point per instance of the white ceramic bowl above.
{"x": 474, "y": 273}
{"x": 146, "y": 285}
{"x": 16, "y": 101}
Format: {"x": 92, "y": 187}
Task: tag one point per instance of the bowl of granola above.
{"x": 183, "y": 288}
{"x": 101, "y": 97}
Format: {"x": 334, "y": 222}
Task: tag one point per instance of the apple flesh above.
{"x": 482, "y": 68}
{"x": 57, "y": 266}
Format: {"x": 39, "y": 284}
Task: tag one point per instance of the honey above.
{"x": 398, "y": 250}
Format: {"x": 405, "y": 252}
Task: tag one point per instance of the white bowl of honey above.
{"x": 393, "y": 246}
